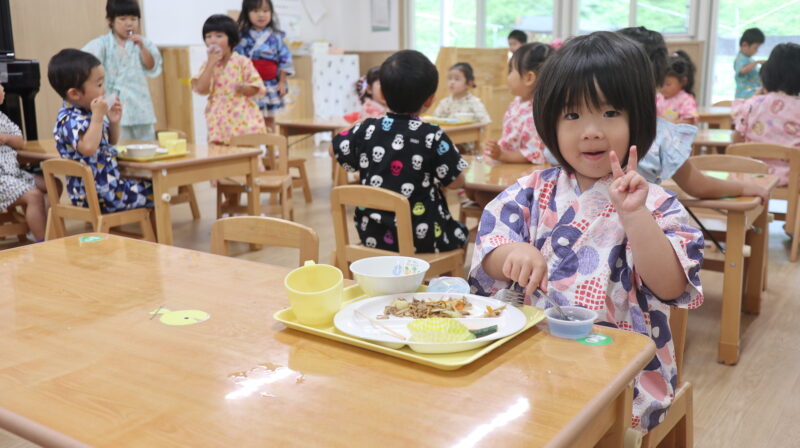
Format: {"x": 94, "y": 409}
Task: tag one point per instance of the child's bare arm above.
{"x": 202, "y": 84}
{"x": 749, "y": 67}
{"x": 458, "y": 183}
{"x": 89, "y": 142}
{"x": 14, "y": 141}
{"x": 695, "y": 183}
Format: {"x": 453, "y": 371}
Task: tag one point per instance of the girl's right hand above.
{"x": 99, "y": 106}
{"x": 526, "y": 266}
{"x": 214, "y": 54}
{"x": 492, "y": 150}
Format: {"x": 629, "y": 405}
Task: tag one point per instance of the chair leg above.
{"x": 102, "y": 226}
{"x": 287, "y": 208}
{"x": 795, "y": 237}
{"x": 54, "y": 227}
{"x": 189, "y": 191}
{"x": 147, "y": 229}
{"x": 301, "y": 167}
{"x": 219, "y": 203}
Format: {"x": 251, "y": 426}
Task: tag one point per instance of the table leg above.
{"x": 755, "y": 266}
{"x": 253, "y": 194}
{"x": 615, "y": 437}
{"x": 161, "y": 200}
{"x": 732, "y": 290}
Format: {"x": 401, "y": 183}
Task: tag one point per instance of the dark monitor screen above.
{"x": 6, "y": 34}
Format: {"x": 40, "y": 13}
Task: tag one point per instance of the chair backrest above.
{"x": 678, "y": 319}
{"x": 730, "y": 163}
{"x": 266, "y": 231}
{"x": 374, "y": 198}
{"x": 724, "y": 103}
{"x": 63, "y": 167}
{"x": 277, "y": 157}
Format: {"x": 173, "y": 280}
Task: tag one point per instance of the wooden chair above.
{"x": 471, "y": 210}
{"x": 265, "y": 231}
{"x": 12, "y": 223}
{"x": 185, "y": 192}
{"x": 301, "y": 179}
{"x": 100, "y": 222}
{"x": 275, "y": 180}
{"x": 677, "y": 428}
{"x": 451, "y": 262}
{"x": 789, "y": 193}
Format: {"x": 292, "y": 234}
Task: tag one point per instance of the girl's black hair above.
{"x": 781, "y": 72}
{"x": 530, "y": 57}
{"x": 586, "y": 67}
{"x": 465, "y": 70}
{"x": 250, "y": 5}
{"x": 118, "y": 8}
{"x": 679, "y": 65}
{"x": 222, "y": 24}
{"x": 363, "y": 83}
{"x": 655, "y": 48}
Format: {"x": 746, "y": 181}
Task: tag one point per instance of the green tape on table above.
{"x": 724, "y": 175}
{"x": 596, "y": 339}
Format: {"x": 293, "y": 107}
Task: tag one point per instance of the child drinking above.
{"x": 401, "y": 153}
{"x": 461, "y": 103}
{"x": 262, "y": 42}
{"x": 588, "y": 232}
{"x": 746, "y": 68}
{"x": 368, "y": 89}
{"x": 679, "y": 105}
{"x": 231, "y": 83}
{"x": 87, "y": 128}
{"x": 520, "y": 142}
{"x": 18, "y": 187}
{"x": 127, "y": 58}
{"x": 774, "y": 117}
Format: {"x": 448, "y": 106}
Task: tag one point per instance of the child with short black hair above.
{"x": 587, "y": 232}
{"x": 231, "y": 82}
{"x": 129, "y": 59}
{"x": 679, "y": 104}
{"x": 520, "y": 142}
{"x": 516, "y": 39}
{"x": 87, "y": 128}
{"x": 746, "y": 68}
{"x": 401, "y": 153}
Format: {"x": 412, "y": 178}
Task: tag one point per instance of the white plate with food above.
{"x": 440, "y": 322}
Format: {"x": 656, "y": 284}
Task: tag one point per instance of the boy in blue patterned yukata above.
{"x": 127, "y": 58}
{"x": 86, "y": 129}
{"x": 262, "y": 42}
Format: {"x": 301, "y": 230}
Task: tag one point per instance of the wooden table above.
{"x": 82, "y": 362}
{"x": 485, "y": 178}
{"x": 204, "y": 162}
{"x": 741, "y": 290}
{"x": 714, "y": 138}
{"x": 716, "y": 116}
{"x": 467, "y": 133}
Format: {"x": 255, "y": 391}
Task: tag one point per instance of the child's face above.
{"x": 513, "y": 44}
{"x": 672, "y": 86}
{"x": 94, "y": 87}
{"x": 750, "y": 49}
{"x": 260, "y": 17}
{"x": 521, "y": 84}
{"x": 124, "y": 26}
{"x": 586, "y": 136}
{"x": 219, "y": 39}
{"x": 457, "y": 82}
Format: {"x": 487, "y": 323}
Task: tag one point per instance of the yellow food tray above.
{"x": 123, "y": 155}
{"x": 444, "y": 361}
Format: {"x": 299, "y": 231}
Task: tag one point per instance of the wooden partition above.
{"x": 696, "y": 51}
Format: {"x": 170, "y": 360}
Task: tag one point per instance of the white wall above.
{"x": 346, "y": 23}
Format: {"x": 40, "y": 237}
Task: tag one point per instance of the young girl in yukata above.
{"x": 461, "y": 103}
{"x": 231, "y": 83}
{"x": 679, "y": 105}
{"x": 590, "y": 232}
{"x": 262, "y": 42}
{"x": 87, "y": 128}
{"x": 520, "y": 143}
{"x": 668, "y": 157}
{"x": 18, "y": 187}
{"x": 368, "y": 89}
{"x": 128, "y": 59}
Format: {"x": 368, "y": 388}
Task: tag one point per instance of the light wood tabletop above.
{"x": 202, "y": 163}
{"x": 713, "y": 137}
{"x": 718, "y": 117}
{"x": 83, "y": 361}
{"x": 302, "y": 126}
{"x": 485, "y": 178}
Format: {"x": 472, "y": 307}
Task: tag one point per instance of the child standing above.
{"x": 368, "y": 88}
{"x": 401, "y": 153}
{"x": 746, "y": 68}
{"x": 127, "y": 58}
{"x": 520, "y": 142}
{"x": 774, "y": 117}
{"x": 18, "y": 187}
{"x": 679, "y": 103}
{"x": 86, "y": 130}
{"x": 231, "y": 83}
{"x": 262, "y": 42}
{"x": 588, "y": 232}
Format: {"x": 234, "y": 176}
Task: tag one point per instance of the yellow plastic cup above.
{"x": 315, "y": 292}
{"x": 180, "y": 145}
{"x": 164, "y": 137}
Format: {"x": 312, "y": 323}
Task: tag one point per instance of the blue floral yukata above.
{"x": 114, "y": 192}
{"x": 270, "y": 58}
{"x": 590, "y": 264}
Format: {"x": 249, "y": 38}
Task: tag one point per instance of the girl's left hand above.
{"x": 115, "y": 112}
{"x": 282, "y": 89}
{"x": 136, "y": 39}
{"x": 629, "y": 189}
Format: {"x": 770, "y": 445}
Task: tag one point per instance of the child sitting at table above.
{"x": 588, "y": 232}
{"x": 231, "y": 82}
{"x": 368, "y": 89}
{"x": 516, "y": 39}
{"x": 461, "y": 104}
{"x": 401, "y": 153}
{"x": 774, "y": 117}
{"x": 520, "y": 143}
{"x": 679, "y": 105}
{"x": 87, "y": 128}
{"x": 746, "y": 68}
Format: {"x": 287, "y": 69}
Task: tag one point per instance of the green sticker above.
{"x": 596, "y": 339}
{"x": 90, "y": 239}
{"x": 724, "y": 175}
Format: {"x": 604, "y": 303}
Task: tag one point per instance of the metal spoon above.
{"x": 564, "y": 316}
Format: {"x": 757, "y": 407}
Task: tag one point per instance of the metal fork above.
{"x": 516, "y": 298}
